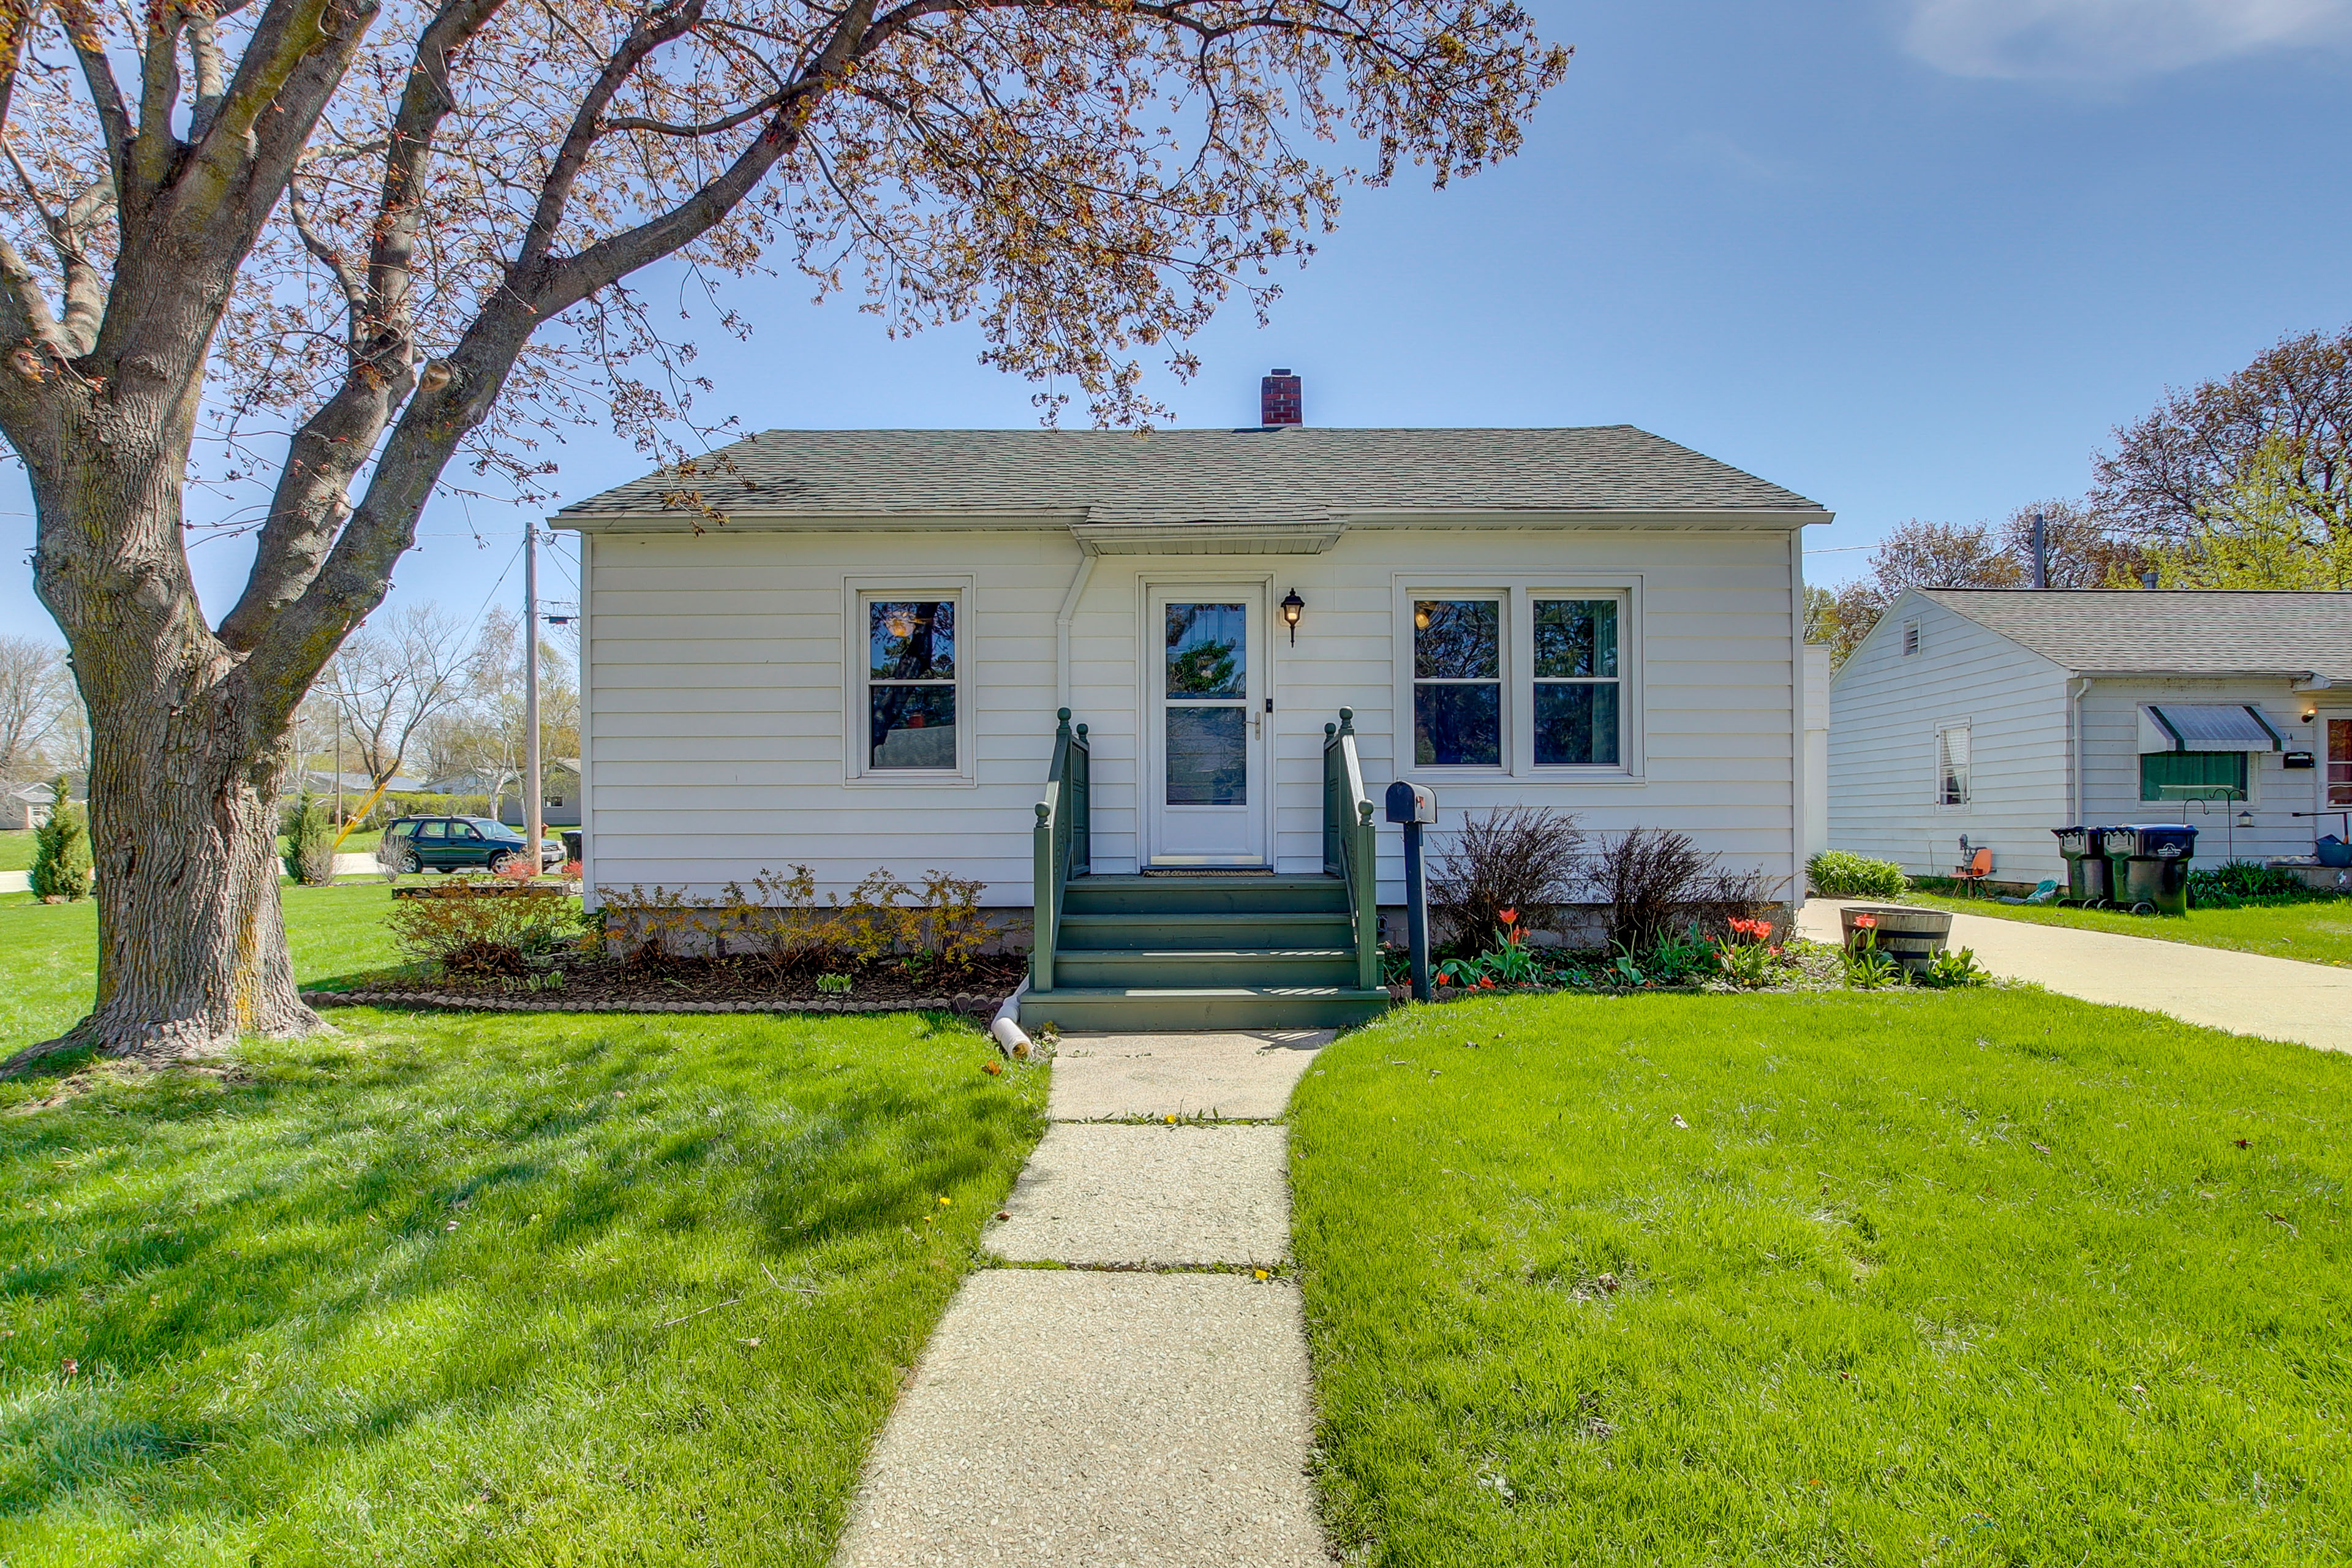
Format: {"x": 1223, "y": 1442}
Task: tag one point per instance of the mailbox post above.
{"x": 1415, "y": 806}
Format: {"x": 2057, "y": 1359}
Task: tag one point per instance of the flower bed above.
{"x": 586, "y": 982}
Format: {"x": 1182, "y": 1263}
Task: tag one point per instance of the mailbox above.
{"x": 1411, "y": 803}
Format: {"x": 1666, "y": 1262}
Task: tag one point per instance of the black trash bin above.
{"x": 2087, "y": 881}
{"x": 2148, "y": 863}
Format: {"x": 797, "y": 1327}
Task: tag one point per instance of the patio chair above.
{"x": 1972, "y": 875}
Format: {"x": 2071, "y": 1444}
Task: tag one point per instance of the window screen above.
{"x": 910, "y": 687}
{"x": 1952, "y": 765}
{"x": 1457, "y": 682}
{"x": 2192, "y": 775}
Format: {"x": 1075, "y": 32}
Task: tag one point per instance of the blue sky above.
{"x": 1912, "y": 258}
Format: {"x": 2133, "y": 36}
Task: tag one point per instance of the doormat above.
{"x": 1208, "y": 872}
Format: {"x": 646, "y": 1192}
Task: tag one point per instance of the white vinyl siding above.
{"x": 720, "y": 677}
{"x": 1884, "y": 758}
{"x": 1888, "y": 712}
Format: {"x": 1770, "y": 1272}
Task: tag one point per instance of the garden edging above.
{"x": 956, "y": 1004}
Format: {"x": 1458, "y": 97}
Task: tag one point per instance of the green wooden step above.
{"x": 1204, "y": 895}
{"x": 1185, "y": 967}
{"x": 1156, "y": 931}
{"x": 1141, "y": 1008}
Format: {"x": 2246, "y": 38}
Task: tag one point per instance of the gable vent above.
{"x": 1910, "y": 638}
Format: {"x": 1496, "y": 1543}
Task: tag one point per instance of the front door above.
{"x": 1206, "y": 778}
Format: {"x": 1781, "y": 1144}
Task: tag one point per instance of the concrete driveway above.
{"x": 2244, "y": 993}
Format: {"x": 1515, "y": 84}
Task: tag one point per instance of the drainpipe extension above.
{"x": 1005, "y": 1027}
{"x": 1062, "y": 620}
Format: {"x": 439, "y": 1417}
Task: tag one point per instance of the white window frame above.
{"x": 1969, "y": 787}
{"x": 859, "y": 593}
{"x": 1519, "y": 590}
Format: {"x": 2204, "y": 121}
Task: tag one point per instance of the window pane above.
{"x": 1953, "y": 789}
{"x": 432, "y": 829}
{"x": 911, "y": 639}
{"x": 1208, "y": 763}
{"x": 1458, "y": 724}
{"x": 2339, "y": 761}
{"x": 912, "y": 727}
{"x": 1576, "y": 724}
{"x": 2192, "y": 775}
{"x": 1456, "y": 639}
{"x": 1207, "y": 650}
{"x": 1575, "y": 637}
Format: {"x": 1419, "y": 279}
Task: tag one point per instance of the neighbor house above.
{"x": 1998, "y": 714}
{"x": 848, "y": 650}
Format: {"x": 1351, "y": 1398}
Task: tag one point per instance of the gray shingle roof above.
{"x": 2168, "y": 633}
{"x": 1196, "y": 475}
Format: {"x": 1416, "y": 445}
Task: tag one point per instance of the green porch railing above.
{"x": 1061, "y": 842}
{"x": 1349, "y": 849}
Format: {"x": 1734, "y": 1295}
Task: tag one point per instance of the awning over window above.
{"x": 2184, "y": 727}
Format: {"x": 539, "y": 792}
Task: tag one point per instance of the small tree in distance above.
{"x": 62, "y": 867}
{"x": 396, "y": 233}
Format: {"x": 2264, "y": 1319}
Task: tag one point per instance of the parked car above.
{"x": 458, "y": 844}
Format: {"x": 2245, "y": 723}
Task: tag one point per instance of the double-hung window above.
{"x": 1952, "y": 765}
{"x": 1457, "y": 682}
{"x": 910, "y": 684}
{"x": 1576, "y": 683}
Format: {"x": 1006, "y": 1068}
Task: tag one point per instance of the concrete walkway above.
{"x": 2244, "y": 993}
{"x": 1146, "y": 1405}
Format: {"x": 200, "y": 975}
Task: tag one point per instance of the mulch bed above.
{"x": 697, "y": 985}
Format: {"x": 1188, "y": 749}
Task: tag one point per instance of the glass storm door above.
{"x": 1206, "y": 731}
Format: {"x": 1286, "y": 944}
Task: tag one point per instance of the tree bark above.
{"x": 188, "y": 759}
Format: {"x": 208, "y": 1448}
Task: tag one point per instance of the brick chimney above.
{"x": 1278, "y": 399}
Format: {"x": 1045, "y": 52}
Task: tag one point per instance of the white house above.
{"x": 860, "y": 663}
{"x": 2002, "y": 714}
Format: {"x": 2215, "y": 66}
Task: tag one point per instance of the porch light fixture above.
{"x": 1293, "y": 606}
{"x": 2245, "y": 819}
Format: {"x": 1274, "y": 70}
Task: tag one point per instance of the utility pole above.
{"x": 532, "y": 828}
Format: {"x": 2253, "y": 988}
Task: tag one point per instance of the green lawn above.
{"x": 546, "y": 1290}
{"x": 1971, "y": 1278}
{"x": 16, "y": 849}
{"x": 47, "y": 952}
{"x": 2316, "y": 932}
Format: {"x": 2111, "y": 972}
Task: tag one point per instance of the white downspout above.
{"x": 2075, "y": 686}
{"x": 1062, "y": 620}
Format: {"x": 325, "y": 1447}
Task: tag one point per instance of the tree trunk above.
{"x": 186, "y": 760}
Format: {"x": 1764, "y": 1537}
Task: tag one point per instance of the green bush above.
{"x": 1840, "y": 873}
{"x": 309, "y": 842}
{"x": 2234, "y": 882}
{"x": 62, "y": 867}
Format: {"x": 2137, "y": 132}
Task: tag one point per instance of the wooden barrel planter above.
{"x": 1912, "y": 938}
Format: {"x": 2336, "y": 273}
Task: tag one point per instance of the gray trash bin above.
{"x": 2148, "y": 862}
{"x": 2087, "y": 880}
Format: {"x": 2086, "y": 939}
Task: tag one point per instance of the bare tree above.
{"x": 385, "y": 685}
{"x": 35, "y": 691}
{"x": 2179, "y": 471}
{"x": 375, "y": 234}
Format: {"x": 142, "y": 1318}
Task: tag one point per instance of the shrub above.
{"x": 1516, "y": 857}
{"x": 2218, "y": 887}
{"x": 472, "y": 930}
{"x": 1840, "y": 873}
{"x": 1661, "y": 890}
{"x": 780, "y": 915}
{"x": 62, "y": 867}
{"x": 309, "y": 842}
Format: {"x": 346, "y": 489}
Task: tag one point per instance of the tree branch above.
{"x": 656, "y": 28}
{"x": 312, "y": 496}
